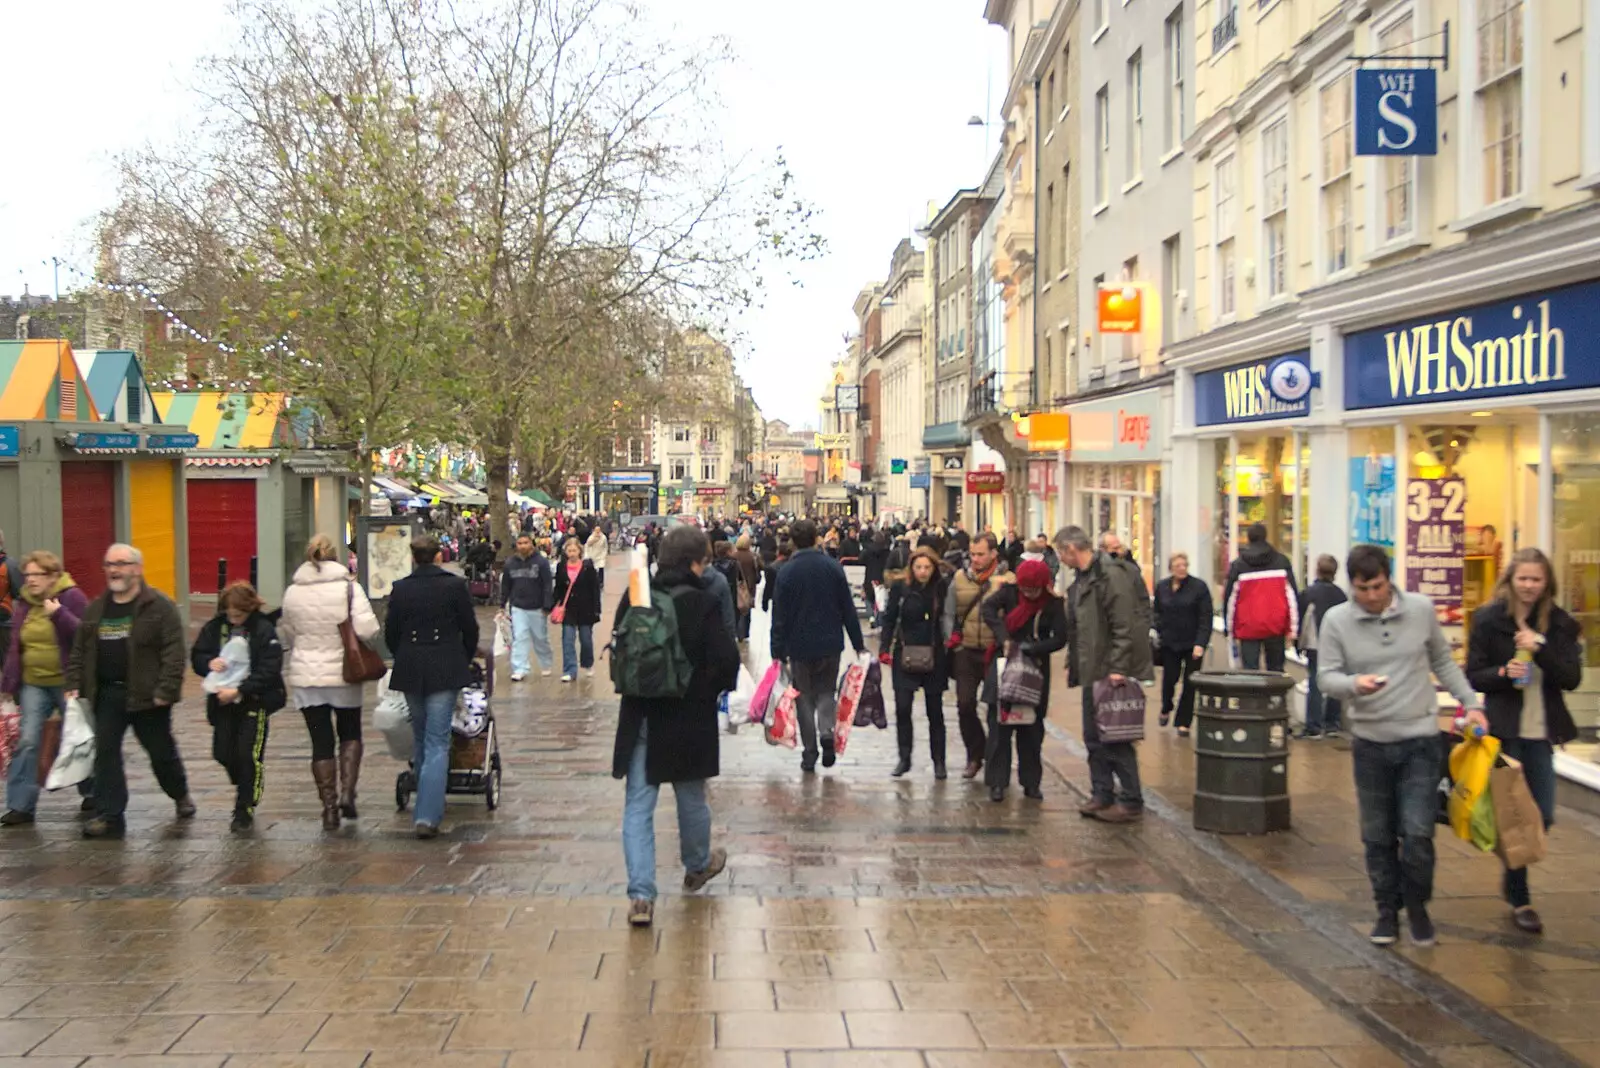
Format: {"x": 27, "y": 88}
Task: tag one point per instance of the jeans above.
{"x": 1397, "y": 792}
{"x": 1250, "y": 653}
{"x": 967, "y": 667}
{"x": 35, "y": 704}
{"x": 153, "y": 728}
{"x": 639, "y": 825}
{"x": 1322, "y": 713}
{"x": 430, "y": 729}
{"x": 817, "y": 708}
{"x": 529, "y": 625}
{"x": 239, "y": 744}
{"x": 905, "y": 701}
{"x": 572, "y": 634}
{"x": 1111, "y": 764}
{"x": 1538, "y": 767}
{"x": 1030, "y": 753}
{"x": 1177, "y": 665}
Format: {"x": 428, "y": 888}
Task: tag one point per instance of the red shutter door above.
{"x": 222, "y": 526}
{"x": 88, "y": 520}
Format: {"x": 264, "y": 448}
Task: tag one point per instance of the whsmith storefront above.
{"x": 1448, "y": 409}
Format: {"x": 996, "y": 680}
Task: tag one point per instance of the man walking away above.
{"x": 1110, "y": 639}
{"x": 812, "y": 612}
{"x": 525, "y": 594}
{"x": 1322, "y": 712}
{"x": 1375, "y": 653}
{"x": 970, "y": 639}
{"x": 1260, "y": 603}
{"x": 127, "y": 664}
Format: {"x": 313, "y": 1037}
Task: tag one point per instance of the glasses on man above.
{"x": 111, "y": 565}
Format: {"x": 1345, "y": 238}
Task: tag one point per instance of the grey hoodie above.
{"x": 1404, "y": 642}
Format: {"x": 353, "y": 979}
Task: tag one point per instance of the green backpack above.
{"x": 647, "y": 657}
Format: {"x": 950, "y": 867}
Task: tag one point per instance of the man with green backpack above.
{"x": 670, "y": 661}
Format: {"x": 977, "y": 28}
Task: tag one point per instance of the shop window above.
{"x": 1575, "y": 545}
{"x": 1264, "y": 480}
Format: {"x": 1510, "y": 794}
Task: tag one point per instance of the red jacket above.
{"x": 1260, "y": 600}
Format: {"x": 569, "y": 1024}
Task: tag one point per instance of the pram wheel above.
{"x": 491, "y": 789}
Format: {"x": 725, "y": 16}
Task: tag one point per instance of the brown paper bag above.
{"x": 49, "y": 746}
{"x": 1519, "y": 825}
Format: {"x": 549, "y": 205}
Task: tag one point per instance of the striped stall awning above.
{"x": 225, "y": 420}
{"x": 228, "y": 461}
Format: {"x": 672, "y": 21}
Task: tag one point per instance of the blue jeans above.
{"x": 1397, "y": 787}
{"x": 1322, "y": 713}
{"x": 1538, "y": 767}
{"x": 572, "y": 635}
{"x": 35, "y": 703}
{"x": 430, "y": 727}
{"x": 529, "y": 625}
{"x": 639, "y": 825}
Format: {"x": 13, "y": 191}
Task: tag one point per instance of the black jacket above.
{"x": 875, "y": 558}
{"x": 769, "y": 587}
{"x": 1184, "y": 616}
{"x": 1494, "y": 644}
{"x": 262, "y": 690}
{"x": 432, "y": 631}
{"x": 1046, "y": 633}
{"x": 1316, "y": 599}
{"x": 681, "y": 744}
{"x": 526, "y": 583}
{"x": 914, "y": 616}
{"x": 583, "y": 604}
{"x": 1011, "y": 552}
{"x": 814, "y": 609}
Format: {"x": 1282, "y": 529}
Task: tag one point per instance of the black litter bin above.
{"x": 1241, "y": 744}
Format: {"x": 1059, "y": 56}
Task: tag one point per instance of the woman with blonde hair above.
{"x": 322, "y": 595}
{"x": 1523, "y": 656}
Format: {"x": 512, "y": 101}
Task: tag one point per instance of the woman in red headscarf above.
{"x": 1030, "y": 621}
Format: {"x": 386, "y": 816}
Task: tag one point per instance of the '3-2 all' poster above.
{"x": 1436, "y": 541}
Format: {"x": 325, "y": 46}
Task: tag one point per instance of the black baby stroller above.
{"x": 474, "y": 743}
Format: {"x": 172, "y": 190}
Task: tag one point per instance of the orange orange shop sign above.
{"x": 1047, "y": 431}
{"x": 1121, "y": 309}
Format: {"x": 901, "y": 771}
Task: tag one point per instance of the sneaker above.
{"x": 242, "y": 822}
{"x": 1421, "y": 926}
{"x": 100, "y": 827}
{"x": 566, "y": 678}
{"x": 185, "y": 807}
{"x": 1524, "y": 919}
{"x": 1307, "y": 735}
{"x": 696, "y": 880}
{"x": 13, "y": 818}
{"x": 641, "y": 913}
{"x": 519, "y": 676}
{"x": 588, "y": 673}
{"x": 1183, "y": 732}
{"x": 544, "y": 673}
{"x": 1386, "y": 932}
{"x": 828, "y": 755}
{"x": 1333, "y": 732}
{"x": 427, "y": 830}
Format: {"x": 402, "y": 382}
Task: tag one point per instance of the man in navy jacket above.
{"x": 811, "y": 613}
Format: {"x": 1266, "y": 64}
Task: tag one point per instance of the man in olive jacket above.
{"x": 127, "y": 665}
{"x": 1105, "y": 643}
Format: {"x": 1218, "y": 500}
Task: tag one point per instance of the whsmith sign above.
{"x": 1397, "y": 112}
{"x": 1243, "y": 394}
{"x": 1506, "y": 349}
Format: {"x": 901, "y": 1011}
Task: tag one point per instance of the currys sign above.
{"x": 1249, "y": 392}
{"x": 1505, "y": 349}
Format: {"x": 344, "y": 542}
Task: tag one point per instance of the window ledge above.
{"x": 1051, "y": 136}
{"x": 1498, "y": 212}
{"x": 1132, "y": 185}
{"x": 1233, "y": 42}
{"x": 1274, "y": 303}
{"x": 1169, "y": 156}
{"x": 1102, "y": 207}
{"x": 1261, "y": 12}
{"x": 1101, "y": 32}
{"x": 1065, "y": 111}
{"x": 1395, "y": 246}
{"x": 1062, "y": 277}
{"x": 1045, "y": 288}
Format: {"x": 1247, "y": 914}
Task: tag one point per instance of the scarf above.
{"x": 1031, "y": 573}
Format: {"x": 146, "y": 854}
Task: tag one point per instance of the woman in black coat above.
{"x": 1027, "y": 620}
{"x": 675, "y": 739}
{"x": 1523, "y": 654}
{"x": 577, "y": 591}
{"x": 432, "y": 632}
{"x": 1183, "y": 624}
{"x": 913, "y": 617}
{"x": 238, "y": 714}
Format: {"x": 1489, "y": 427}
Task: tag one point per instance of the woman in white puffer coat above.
{"x": 322, "y": 595}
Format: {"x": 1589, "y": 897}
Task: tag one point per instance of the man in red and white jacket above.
{"x": 1259, "y": 602}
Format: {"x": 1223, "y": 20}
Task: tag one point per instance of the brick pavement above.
{"x": 863, "y": 922}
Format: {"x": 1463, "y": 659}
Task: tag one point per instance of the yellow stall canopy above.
{"x": 42, "y": 381}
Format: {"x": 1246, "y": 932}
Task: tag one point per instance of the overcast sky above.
{"x": 868, "y": 98}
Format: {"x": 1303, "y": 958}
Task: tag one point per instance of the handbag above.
{"x": 361, "y": 661}
{"x": 1021, "y": 681}
{"x": 558, "y": 614}
{"x": 914, "y": 659}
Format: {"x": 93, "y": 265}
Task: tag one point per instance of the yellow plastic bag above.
{"x": 1470, "y": 764}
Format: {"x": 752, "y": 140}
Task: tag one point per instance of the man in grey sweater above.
{"x": 1376, "y": 653}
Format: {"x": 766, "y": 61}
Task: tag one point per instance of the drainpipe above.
{"x": 1038, "y": 132}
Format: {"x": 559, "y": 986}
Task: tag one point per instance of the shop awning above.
{"x": 471, "y": 500}
{"x": 228, "y": 461}
{"x": 542, "y": 497}
{"x": 39, "y": 379}
{"x": 392, "y": 489}
{"x": 117, "y": 385}
{"x": 225, "y": 420}
{"x": 435, "y": 491}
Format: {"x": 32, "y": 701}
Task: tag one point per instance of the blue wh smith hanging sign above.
{"x": 1397, "y": 112}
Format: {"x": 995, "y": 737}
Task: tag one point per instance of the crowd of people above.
{"x": 949, "y": 608}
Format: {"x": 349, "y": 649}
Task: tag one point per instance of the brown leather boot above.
{"x": 349, "y": 772}
{"x": 326, "y": 774}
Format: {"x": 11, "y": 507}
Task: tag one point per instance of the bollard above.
{"x": 222, "y": 575}
{"x": 255, "y": 573}
{"x": 1241, "y": 745}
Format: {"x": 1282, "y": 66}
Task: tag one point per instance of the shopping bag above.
{"x": 49, "y": 746}
{"x": 739, "y": 699}
{"x": 1470, "y": 763}
{"x": 1021, "y": 681}
{"x": 766, "y": 693}
{"x": 851, "y": 680}
{"x": 10, "y": 732}
{"x": 783, "y": 725}
{"x": 75, "y": 761}
{"x": 235, "y": 655}
{"x": 880, "y": 598}
{"x": 1518, "y": 823}
{"x": 392, "y": 719}
{"x": 1119, "y": 710}
{"x": 502, "y": 637}
{"x": 870, "y": 709}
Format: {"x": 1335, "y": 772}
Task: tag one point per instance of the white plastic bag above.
{"x": 502, "y": 636}
{"x": 739, "y": 699}
{"x": 392, "y": 718}
{"x": 236, "y": 654}
{"x": 75, "y": 762}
